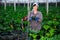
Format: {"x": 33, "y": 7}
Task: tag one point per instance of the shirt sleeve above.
{"x": 40, "y": 16}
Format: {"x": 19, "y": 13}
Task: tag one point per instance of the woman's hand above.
{"x": 24, "y": 18}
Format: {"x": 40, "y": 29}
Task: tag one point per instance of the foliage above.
{"x": 50, "y": 24}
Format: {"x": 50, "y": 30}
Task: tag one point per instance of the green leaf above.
{"x": 51, "y": 31}
{"x": 49, "y": 22}
{"x": 46, "y": 27}
{"x": 48, "y": 34}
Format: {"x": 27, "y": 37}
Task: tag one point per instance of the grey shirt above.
{"x": 36, "y": 26}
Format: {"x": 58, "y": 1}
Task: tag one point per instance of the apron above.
{"x": 34, "y": 25}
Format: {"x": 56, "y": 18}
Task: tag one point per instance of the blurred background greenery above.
{"x": 50, "y": 24}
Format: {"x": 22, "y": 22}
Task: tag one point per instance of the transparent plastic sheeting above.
{"x": 25, "y": 1}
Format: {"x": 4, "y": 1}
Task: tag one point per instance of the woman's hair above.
{"x": 34, "y": 5}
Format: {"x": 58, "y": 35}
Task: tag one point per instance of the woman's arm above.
{"x": 40, "y": 17}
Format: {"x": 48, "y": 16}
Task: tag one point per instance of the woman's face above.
{"x": 35, "y": 8}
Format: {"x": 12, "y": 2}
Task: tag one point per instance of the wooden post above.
{"x": 18, "y": 3}
{"x": 10, "y": 3}
{"x": 24, "y": 3}
{"x": 5, "y": 5}
{"x": 14, "y": 5}
{"x": 30, "y": 3}
{"x": 28, "y": 9}
{"x": 56, "y": 3}
{"x": 47, "y": 7}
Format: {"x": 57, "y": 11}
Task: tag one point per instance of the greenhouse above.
{"x": 15, "y": 20}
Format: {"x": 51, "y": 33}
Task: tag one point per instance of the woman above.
{"x": 35, "y": 19}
